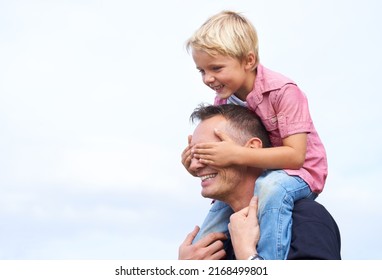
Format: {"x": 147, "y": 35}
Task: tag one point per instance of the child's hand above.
{"x": 187, "y": 156}
{"x": 219, "y": 154}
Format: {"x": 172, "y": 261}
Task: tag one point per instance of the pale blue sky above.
{"x": 94, "y": 104}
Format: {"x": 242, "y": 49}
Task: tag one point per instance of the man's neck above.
{"x": 244, "y": 192}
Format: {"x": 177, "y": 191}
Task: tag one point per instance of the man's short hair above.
{"x": 243, "y": 123}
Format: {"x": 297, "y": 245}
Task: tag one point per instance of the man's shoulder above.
{"x": 306, "y": 206}
{"x": 310, "y": 211}
{"x": 315, "y": 233}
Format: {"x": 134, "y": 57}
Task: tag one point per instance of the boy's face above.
{"x": 224, "y": 74}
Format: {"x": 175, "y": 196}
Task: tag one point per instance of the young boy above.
{"x": 225, "y": 51}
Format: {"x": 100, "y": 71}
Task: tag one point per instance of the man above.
{"x": 315, "y": 234}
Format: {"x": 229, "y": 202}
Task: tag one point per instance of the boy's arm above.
{"x": 291, "y": 155}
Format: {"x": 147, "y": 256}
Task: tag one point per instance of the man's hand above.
{"x": 187, "y": 156}
{"x": 210, "y": 247}
{"x": 245, "y": 230}
{"x": 219, "y": 154}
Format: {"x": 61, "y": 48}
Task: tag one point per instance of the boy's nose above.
{"x": 208, "y": 79}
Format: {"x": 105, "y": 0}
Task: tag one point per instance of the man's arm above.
{"x": 245, "y": 231}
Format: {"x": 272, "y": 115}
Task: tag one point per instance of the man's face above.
{"x": 217, "y": 183}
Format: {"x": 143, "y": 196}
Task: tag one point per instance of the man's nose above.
{"x": 196, "y": 165}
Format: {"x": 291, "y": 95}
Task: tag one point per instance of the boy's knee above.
{"x": 270, "y": 190}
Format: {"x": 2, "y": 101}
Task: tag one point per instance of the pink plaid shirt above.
{"x": 283, "y": 109}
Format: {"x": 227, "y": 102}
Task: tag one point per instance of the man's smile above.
{"x": 208, "y": 176}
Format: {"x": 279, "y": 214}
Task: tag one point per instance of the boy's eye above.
{"x": 216, "y": 68}
{"x": 201, "y": 71}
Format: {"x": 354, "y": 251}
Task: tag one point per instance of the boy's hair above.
{"x": 227, "y": 33}
{"x": 243, "y": 124}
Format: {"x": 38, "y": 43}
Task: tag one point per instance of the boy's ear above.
{"x": 254, "y": 143}
{"x": 251, "y": 60}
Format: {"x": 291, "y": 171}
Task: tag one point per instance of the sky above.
{"x": 95, "y": 98}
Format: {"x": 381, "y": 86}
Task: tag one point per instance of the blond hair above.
{"x": 226, "y": 33}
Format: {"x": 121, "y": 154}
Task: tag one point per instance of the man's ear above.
{"x": 254, "y": 143}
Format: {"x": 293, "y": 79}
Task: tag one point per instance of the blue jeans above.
{"x": 277, "y": 192}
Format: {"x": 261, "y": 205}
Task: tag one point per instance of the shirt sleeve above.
{"x": 291, "y": 106}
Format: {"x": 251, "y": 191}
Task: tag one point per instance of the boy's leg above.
{"x": 277, "y": 192}
{"x": 216, "y": 220}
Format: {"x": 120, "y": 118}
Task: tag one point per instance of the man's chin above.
{"x": 206, "y": 195}
{"x": 209, "y": 195}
